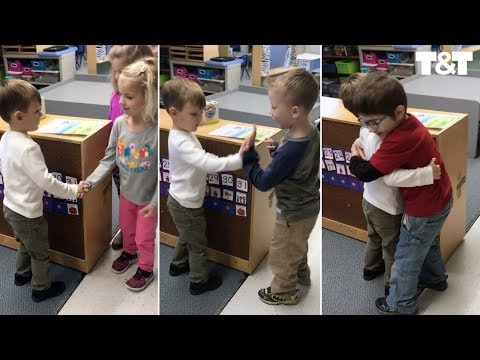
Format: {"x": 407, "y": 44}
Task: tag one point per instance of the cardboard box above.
{"x": 210, "y": 114}
{"x": 308, "y": 61}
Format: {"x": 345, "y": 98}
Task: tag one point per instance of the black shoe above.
{"x": 199, "y": 288}
{"x": 117, "y": 243}
{"x": 178, "y": 270}
{"x": 387, "y": 290}
{"x": 21, "y": 279}
{"x": 383, "y": 308}
{"x": 372, "y": 274}
{"x": 440, "y": 286}
{"x": 55, "y": 289}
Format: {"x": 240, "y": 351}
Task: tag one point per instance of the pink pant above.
{"x": 138, "y": 233}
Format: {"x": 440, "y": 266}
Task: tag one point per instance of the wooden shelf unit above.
{"x": 23, "y": 49}
{"x": 194, "y": 53}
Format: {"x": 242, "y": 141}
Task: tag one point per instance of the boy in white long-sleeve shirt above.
{"x": 189, "y": 164}
{"x": 25, "y": 178}
{"x": 382, "y": 204}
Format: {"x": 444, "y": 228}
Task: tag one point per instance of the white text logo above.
{"x": 444, "y": 67}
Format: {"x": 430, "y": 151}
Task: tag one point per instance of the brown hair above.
{"x": 16, "y": 95}
{"x": 347, "y": 90}
{"x": 379, "y": 93}
{"x": 179, "y": 91}
{"x": 301, "y": 88}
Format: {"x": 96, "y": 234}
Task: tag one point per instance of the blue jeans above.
{"x": 417, "y": 259}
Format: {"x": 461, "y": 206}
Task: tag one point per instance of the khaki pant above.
{"x": 191, "y": 245}
{"x": 383, "y": 235}
{"x": 288, "y": 254}
{"x": 33, "y": 254}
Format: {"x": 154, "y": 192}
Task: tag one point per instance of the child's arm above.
{"x": 361, "y": 168}
{"x": 34, "y": 161}
{"x": 414, "y": 177}
{"x": 107, "y": 164}
{"x": 151, "y": 209}
{"x": 197, "y": 157}
{"x": 284, "y": 164}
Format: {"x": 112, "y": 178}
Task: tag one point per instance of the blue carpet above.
{"x": 16, "y": 300}
{"x": 175, "y": 298}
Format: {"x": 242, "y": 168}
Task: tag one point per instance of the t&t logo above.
{"x": 443, "y": 67}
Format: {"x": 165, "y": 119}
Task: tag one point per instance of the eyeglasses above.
{"x": 374, "y": 124}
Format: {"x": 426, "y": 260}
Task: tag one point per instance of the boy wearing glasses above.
{"x": 406, "y": 143}
{"x": 382, "y": 205}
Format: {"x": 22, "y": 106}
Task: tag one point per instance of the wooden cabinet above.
{"x": 342, "y": 208}
{"x": 76, "y": 241}
{"x": 237, "y": 241}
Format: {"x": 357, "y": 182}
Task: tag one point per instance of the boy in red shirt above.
{"x": 381, "y": 101}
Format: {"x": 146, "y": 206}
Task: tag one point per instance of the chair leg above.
{"x": 248, "y": 74}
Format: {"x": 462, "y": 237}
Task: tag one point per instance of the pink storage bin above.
{"x": 15, "y": 66}
{"x": 370, "y": 58}
{"x": 27, "y": 71}
{"x": 382, "y": 63}
{"x": 180, "y": 71}
{"x": 193, "y": 77}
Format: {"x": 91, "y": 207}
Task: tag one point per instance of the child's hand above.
{"x": 244, "y": 147}
{"x": 82, "y": 188}
{"x": 271, "y": 144}
{"x": 357, "y": 149}
{"x": 253, "y": 135}
{"x": 437, "y": 172}
{"x": 148, "y": 211}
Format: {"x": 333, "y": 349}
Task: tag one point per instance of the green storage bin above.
{"x": 2, "y": 72}
{"x": 164, "y": 78}
{"x": 347, "y": 66}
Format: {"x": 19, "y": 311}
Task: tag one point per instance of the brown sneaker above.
{"x": 269, "y": 298}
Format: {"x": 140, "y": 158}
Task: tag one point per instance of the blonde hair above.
{"x": 347, "y": 90}
{"x": 144, "y": 73}
{"x": 300, "y": 88}
{"x": 128, "y": 54}
{"x": 16, "y": 95}
{"x": 179, "y": 91}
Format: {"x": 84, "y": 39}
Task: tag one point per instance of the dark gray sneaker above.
{"x": 213, "y": 283}
{"x": 22, "y": 279}
{"x": 178, "y": 270}
{"x": 56, "y": 288}
{"x": 117, "y": 243}
{"x": 439, "y": 286}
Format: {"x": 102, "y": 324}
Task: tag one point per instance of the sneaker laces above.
{"x": 126, "y": 256}
{"x": 140, "y": 273}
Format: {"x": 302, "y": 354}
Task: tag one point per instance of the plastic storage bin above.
{"x": 308, "y": 61}
{"x": 347, "y": 66}
{"x": 50, "y": 78}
